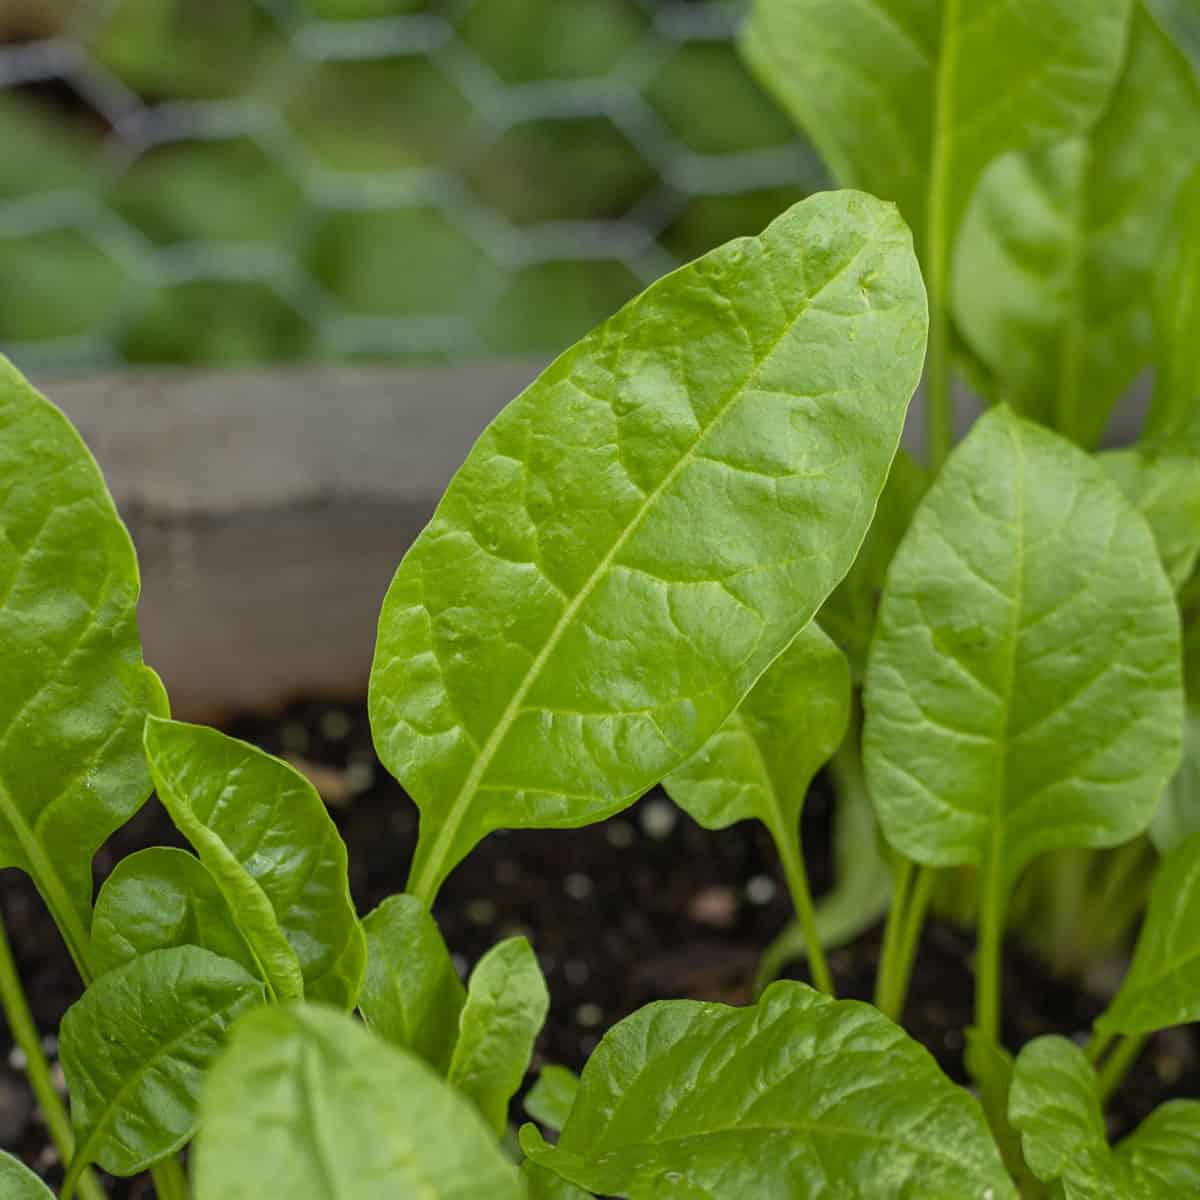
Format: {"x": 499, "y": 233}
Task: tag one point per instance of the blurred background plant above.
{"x": 235, "y": 181}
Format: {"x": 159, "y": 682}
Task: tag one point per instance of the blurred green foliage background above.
{"x": 233, "y": 181}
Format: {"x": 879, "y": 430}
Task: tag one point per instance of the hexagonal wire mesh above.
{"x": 216, "y": 181}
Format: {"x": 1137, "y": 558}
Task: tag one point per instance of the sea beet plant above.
{"x": 691, "y": 554}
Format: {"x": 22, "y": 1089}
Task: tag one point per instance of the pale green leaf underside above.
{"x": 136, "y": 1047}
{"x": 1162, "y": 987}
{"x": 18, "y": 1182}
{"x": 159, "y": 898}
{"x": 638, "y": 535}
{"x": 1023, "y": 692}
{"x": 411, "y": 994}
{"x": 885, "y": 87}
{"x": 1054, "y": 277}
{"x": 1178, "y": 814}
{"x": 308, "y": 1104}
{"x": 799, "y": 1095}
{"x": 73, "y": 691}
{"x": 1055, "y": 1104}
{"x": 506, "y": 1007}
{"x": 267, "y": 840}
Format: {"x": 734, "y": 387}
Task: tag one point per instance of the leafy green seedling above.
{"x": 550, "y": 1100}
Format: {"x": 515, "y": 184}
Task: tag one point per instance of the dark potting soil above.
{"x": 642, "y": 907}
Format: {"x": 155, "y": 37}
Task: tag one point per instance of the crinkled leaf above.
{"x": 1024, "y": 690}
{"x": 265, "y": 836}
{"x": 549, "y": 1101}
{"x": 640, "y": 533}
{"x": 159, "y": 898}
{"x": 799, "y": 1095}
{"x": 1162, "y": 986}
{"x": 761, "y": 761}
{"x": 136, "y": 1046}
{"x": 1178, "y": 814}
{"x": 1164, "y": 486}
{"x": 848, "y": 616}
{"x": 911, "y": 99}
{"x": 506, "y": 1007}
{"x": 412, "y": 995}
{"x": 1054, "y": 276}
{"x": 18, "y": 1182}
{"x": 73, "y": 692}
{"x": 308, "y": 1104}
{"x": 1055, "y": 1103}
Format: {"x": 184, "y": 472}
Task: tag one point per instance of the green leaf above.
{"x": 550, "y": 1099}
{"x": 74, "y": 692}
{"x": 799, "y": 1095}
{"x": 911, "y": 99}
{"x": 1055, "y": 1103}
{"x": 136, "y": 1046}
{"x": 1178, "y": 814}
{"x": 18, "y": 1182}
{"x": 308, "y": 1104}
{"x": 266, "y": 838}
{"x": 640, "y": 533}
{"x": 1162, "y": 986}
{"x": 159, "y": 898}
{"x": 1054, "y": 278}
{"x": 1164, "y": 486}
{"x": 506, "y": 1007}
{"x": 1024, "y": 690}
{"x": 411, "y": 995}
{"x": 545, "y": 1185}
{"x": 1175, "y": 411}
{"x": 848, "y": 616}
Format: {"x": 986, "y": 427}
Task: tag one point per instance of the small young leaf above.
{"x": 1162, "y": 986}
{"x": 18, "y": 1182}
{"x": 159, "y": 898}
{"x": 799, "y": 1095}
{"x": 136, "y": 1046}
{"x": 1023, "y": 692}
{"x": 506, "y": 1007}
{"x": 1055, "y": 1103}
{"x": 412, "y": 995}
{"x": 73, "y": 692}
{"x": 307, "y": 1104}
{"x": 265, "y": 836}
{"x": 641, "y": 532}
{"x": 550, "y": 1099}
{"x": 1054, "y": 277}
{"x": 1178, "y": 814}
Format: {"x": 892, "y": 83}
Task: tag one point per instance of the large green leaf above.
{"x": 1162, "y": 986}
{"x": 135, "y": 1049}
{"x": 911, "y": 99}
{"x": 1178, "y": 814}
{"x": 1054, "y": 277}
{"x": 799, "y": 1095}
{"x": 638, "y": 535}
{"x": 159, "y": 898}
{"x": 18, "y": 1182}
{"x": 411, "y": 994}
{"x": 1024, "y": 689}
{"x": 506, "y": 1007}
{"x": 1055, "y": 1103}
{"x": 266, "y": 838}
{"x": 308, "y": 1104}
{"x": 74, "y": 692}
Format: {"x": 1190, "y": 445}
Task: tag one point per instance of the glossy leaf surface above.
{"x": 308, "y": 1104}
{"x": 1055, "y": 1104}
{"x": 159, "y": 898}
{"x": 135, "y": 1049}
{"x": 1055, "y": 274}
{"x": 1024, "y": 689}
{"x": 73, "y": 692}
{"x": 1162, "y": 986}
{"x": 267, "y": 840}
{"x": 412, "y": 995}
{"x": 549, "y": 1101}
{"x": 799, "y": 1095}
{"x": 506, "y": 1007}
{"x": 638, "y": 535}
{"x": 18, "y": 1182}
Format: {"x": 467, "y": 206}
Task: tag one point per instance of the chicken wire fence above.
{"x": 216, "y": 181}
